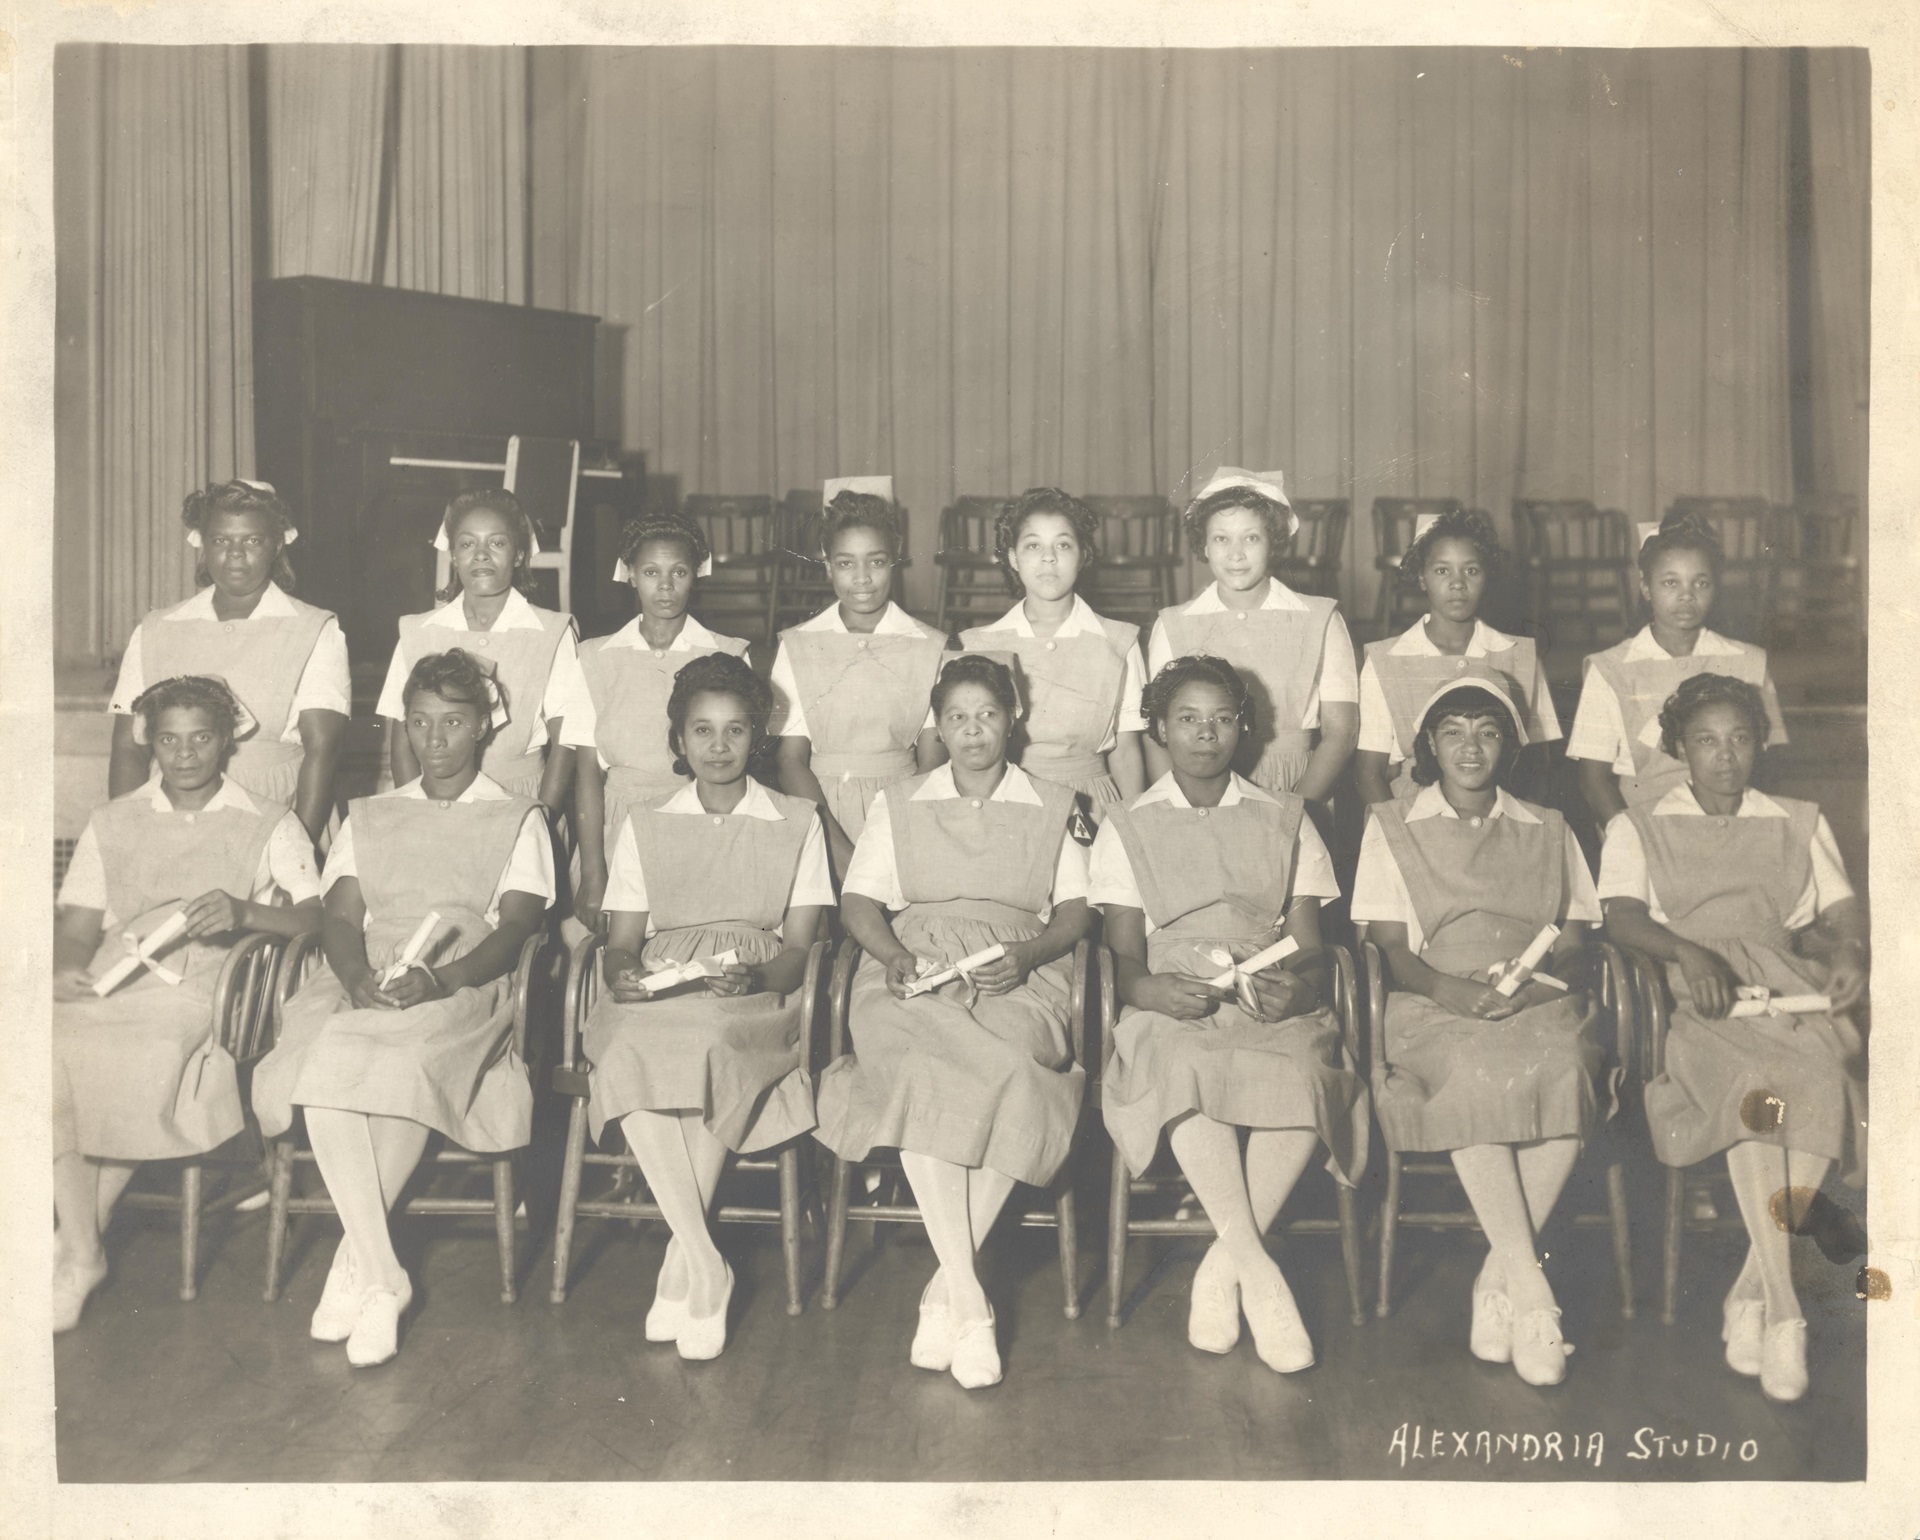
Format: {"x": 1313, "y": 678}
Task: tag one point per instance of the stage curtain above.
{"x": 325, "y": 121}
{"x": 1426, "y": 272}
{"x": 154, "y": 365}
{"x": 1838, "y": 102}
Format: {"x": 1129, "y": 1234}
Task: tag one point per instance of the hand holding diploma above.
{"x": 141, "y": 955}
{"x": 415, "y": 949}
{"x": 1522, "y": 968}
{"x": 962, "y": 969}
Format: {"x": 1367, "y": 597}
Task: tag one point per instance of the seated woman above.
{"x": 1202, "y": 866}
{"x": 1715, "y": 879}
{"x": 974, "y": 1083}
{"x": 722, "y": 865}
{"x": 135, "y": 1074}
{"x": 1455, "y": 882}
{"x": 379, "y": 1058}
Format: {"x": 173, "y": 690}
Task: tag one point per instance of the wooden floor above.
{"x": 231, "y": 1389}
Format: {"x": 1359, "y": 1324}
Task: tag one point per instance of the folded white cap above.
{"x": 1271, "y": 484}
{"x": 873, "y": 486}
{"x": 1493, "y": 687}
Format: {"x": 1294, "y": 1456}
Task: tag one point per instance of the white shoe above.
{"x": 933, "y": 1339}
{"x": 339, "y": 1307}
{"x": 71, "y": 1287}
{"x": 1490, "y": 1338}
{"x": 667, "y": 1316}
{"x": 253, "y": 1204}
{"x": 1743, "y": 1322}
{"x": 1279, "y": 1335}
{"x": 376, "y": 1334}
{"x": 976, "y": 1354}
{"x": 1539, "y": 1351}
{"x": 1213, "y": 1307}
{"x": 704, "y": 1336}
{"x": 1783, "y": 1360}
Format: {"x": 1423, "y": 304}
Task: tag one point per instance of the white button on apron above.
{"x": 975, "y": 802}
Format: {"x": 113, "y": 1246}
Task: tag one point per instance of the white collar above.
{"x": 754, "y": 804}
{"x": 894, "y": 621}
{"x": 1415, "y": 643}
{"x": 1167, "y": 790}
{"x": 1081, "y": 621}
{"x": 515, "y": 615}
{"x": 482, "y": 790}
{"x": 229, "y": 794}
{"x": 274, "y": 605}
{"x": 1279, "y": 597}
{"x": 1682, "y": 803}
{"x": 1015, "y": 786}
{"x": 1431, "y": 802}
{"x": 692, "y": 635}
{"x": 1642, "y": 648}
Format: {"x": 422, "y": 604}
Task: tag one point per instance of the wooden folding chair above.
{"x": 1124, "y": 1188}
{"x": 288, "y": 1155}
{"x": 1059, "y": 1213}
{"x": 242, "y": 1023}
{"x": 572, "y": 1080}
{"x": 1820, "y": 584}
{"x": 1312, "y": 566}
{"x": 741, "y": 596}
{"x": 1394, "y": 522}
{"x": 1579, "y": 561}
{"x": 970, "y": 587}
{"x": 1413, "y": 1164}
{"x": 1136, "y": 568}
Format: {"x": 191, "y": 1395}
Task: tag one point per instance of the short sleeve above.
{"x": 326, "y": 683}
{"x": 393, "y": 701}
{"x": 1776, "y": 721}
{"x": 1545, "y": 726}
{"x": 790, "y": 719}
{"x": 1159, "y": 648}
{"x": 288, "y": 863}
{"x": 1578, "y": 901}
{"x": 626, "y": 882}
{"x": 85, "y": 885}
{"x": 1339, "y": 675}
{"x": 1313, "y": 875}
{"x": 1379, "y": 891}
{"x": 1830, "y": 884}
{"x": 1110, "y": 877}
{"x": 1623, "y": 864}
{"x": 1599, "y": 732}
{"x": 1069, "y": 871}
{"x": 873, "y": 872}
{"x": 530, "y": 867}
{"x": 813, "y": 879}
{"x": 566, "y": 694}
{"x": 132, "y": 679}
{"x": 340, "y": 861}
{"x": 1376, "y": 719}
{"x": 1133, "y": 686}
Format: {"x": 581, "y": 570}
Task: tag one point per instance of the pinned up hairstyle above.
{"x": 1038, "y": 500}
{"x": 1273, "y": 514}
{"x": 1156, "y": 700}
{"x": 860, "y": 510}
{"x": 189, "y": 692}
{"x": 500, "y": 501}
{"x": 989, "y": 673}
{"x": 1475, "y": 704}
{"x": 1468, "y": 524}
{"x": 239, "y": 497}
{"x": 1703, "y": 690}
{"x": 717, "y": 673}
{"x": 455, "y": 675}
{"x": 1683, "y": 532}
{"x": 663, "y": 527}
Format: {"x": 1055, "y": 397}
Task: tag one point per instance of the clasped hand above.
{"x": 414, "y": 987}
{"x": 1277, "y": 992}
{"x": 1001, "y": 976}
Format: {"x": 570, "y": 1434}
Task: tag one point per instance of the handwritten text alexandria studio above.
{"x": 1414, "y": 1441}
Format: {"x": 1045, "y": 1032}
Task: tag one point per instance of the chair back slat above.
{"x": 1570, "y": 531}
{"x": 1824, "y": 525}
{"x": 1745, "y": 525}
{"x": 1322, "y": 535}
{"x": 243, "y": 996}
{"x": 1134, "y": 527}
{"x": 735, "y": 527}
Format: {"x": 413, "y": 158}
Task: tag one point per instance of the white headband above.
{"x": 1270, "y": 484}
{"x": 440, "y": 538}
{"x": 245, "y": 725}
{"x": 873, "y": 486}
{"x": 287, "y": 537}
{"x": 1493, "y": 687}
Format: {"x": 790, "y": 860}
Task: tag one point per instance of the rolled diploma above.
{"x": 1783, "y": 1005}
{"x": 416, "y": 945}
{"x": 686, "y": 973}
{"x": 1286, "y": 946}
{"x": 1523, "y": 966}
{"x": 980, "y": 959}
{"x": 174, "y": 925}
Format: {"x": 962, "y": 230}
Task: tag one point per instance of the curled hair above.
{"x": 455, "y": 675}
{"x": 1475, "y": 704}
{"x": 240, "y": 497}
{"x": 1683, "y": 532}
{"x": 717, "y": 673}
{"x": 1700, "y": 691}
{"x": 1468, "y": 524}
{"x": 989, "y": 673}
{"x": 663, "y": 527}
{"x": 860, "y": 510}
{"x": 502, "y": 502}
{"x": 1274, "y": 515}
{"x": 189, "y": 692}
{"x": 1156, "y": 700}
{"x": 1037, "y": 500}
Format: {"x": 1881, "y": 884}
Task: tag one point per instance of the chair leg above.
{"x": 1389, "y": 1227}
{"x": 1676, "y": 1224}
{"x": 190, "y": 1190}
{"x": 836, "y": 1230}
{"x": 563, "y": 1222}
{"x": 503, "y": 1224}
{"x": 1622, "y": 1235}
{"x": 790, "y": 1223}
{"x": 279, "y": 1194}
{"x": 1066, "y": 1221}
{"x": 1382, "y": 609}
{"x": 1350, "y": 1250}
{"x": 1119, "y": 1200}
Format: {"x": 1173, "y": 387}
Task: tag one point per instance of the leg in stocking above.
{"x": 657, "y": 1143}
{"x": 940, "y": 1189}
{"x": 1491, "y": 1175}
{"x": 114, "y": 1176}
{"x": 1276, "y": 1157}
{"x": 76, "y": 1209}
{"x": 398, "y": 1144}
{"x": 987, "y": 1194}
{"x": 343, "y": 1150}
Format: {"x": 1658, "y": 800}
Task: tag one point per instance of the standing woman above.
{"x": 530, "y": 652}
{"x": 974, "y": 1083}
{"x": 285, "y": 661}
{"x": 1455, "y": 882}
{"x": 850, "y": 686}
{"x": 377, "y": 1062}
{"x": 1205, "y": 863}
{"x": 1292, "y": 649}
{"x": 1718, "y": 881}
{"x": 1084, "y": 673}
{"x": 135, "y": 1075}
{"x": 1616, "y": 728}
{"x": 720, "y": 865}
{"x": 1453, "y": 557}
{"x": 622, "y": 753}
